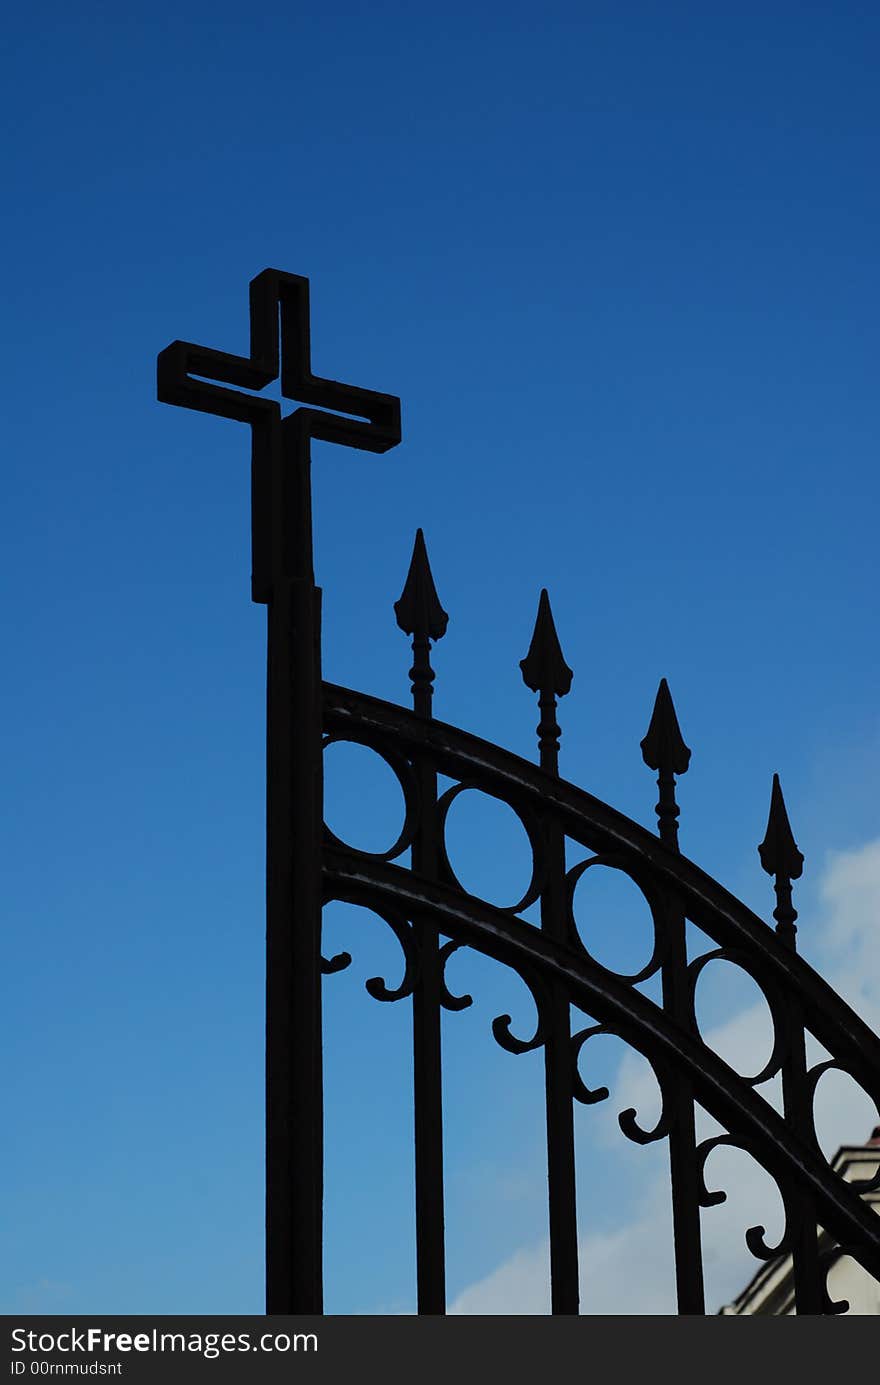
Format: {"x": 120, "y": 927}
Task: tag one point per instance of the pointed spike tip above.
{"x": 778, "y": 851}
{"x": 544, "y": 670}
{"x": 418, "y": 611}
{"x": 663, "y": 747}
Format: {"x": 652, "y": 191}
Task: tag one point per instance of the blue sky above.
{"x": 619, "y": 262}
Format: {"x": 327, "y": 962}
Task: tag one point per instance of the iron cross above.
{"x": 280, "y": 345}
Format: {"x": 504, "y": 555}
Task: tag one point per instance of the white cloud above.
{"x": 520, "y": 1285}
{"x": 850, "y": 892}
{"x": 630, "y": 1270}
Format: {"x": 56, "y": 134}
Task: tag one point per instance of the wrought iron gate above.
{"x": 432, "y": 915}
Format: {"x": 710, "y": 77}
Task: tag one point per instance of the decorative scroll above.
{"x": 501, "y": 1024}
{"x": 633, "y": 872}
{"x": 588, "y": 1096}
{"x": 405, "y": 776}
{"x": 376, "y": 986}
{"x": 530, "y": 826}
{"x": 861, "y": 1185}
{"x": 772, "y": 996}
{"x": 755, "y": 1236}
{"x": 627, "y": 1119}
{"x": 447, "y": 999}
{"x": 828, "y": 1258}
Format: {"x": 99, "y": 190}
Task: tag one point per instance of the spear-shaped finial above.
{"x": 780, "y": 857}
{"x": 545, "y": 671}
{"x": 664, "y": 750}
{"x": 420, "y": 614}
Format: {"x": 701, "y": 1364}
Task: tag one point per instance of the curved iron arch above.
{"x": 599, "y": 827}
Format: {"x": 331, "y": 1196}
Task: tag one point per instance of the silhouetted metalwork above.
{"x": 781, "y": 858}
{"x": 283, "y": 577}
{"x": 432, "y": 915}
{"x": 420, "y": 615}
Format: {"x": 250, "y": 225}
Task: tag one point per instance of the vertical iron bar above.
{"x": 664, "y": 750}
{"x": 428, "y": 1080}
{"x": 294, "y": 815}
{"x": 420, "y": 615}
{"x": 683, "y": 1168}
{"x": 561, "y": 1171}
{"x": 781, "y": 858}
{"x": 545, "y": 671}
{"x": 809, "y": 1298}
{"x": 427, "y": 1060}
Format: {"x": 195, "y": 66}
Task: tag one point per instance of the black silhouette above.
{"x": 432, "y": 915}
